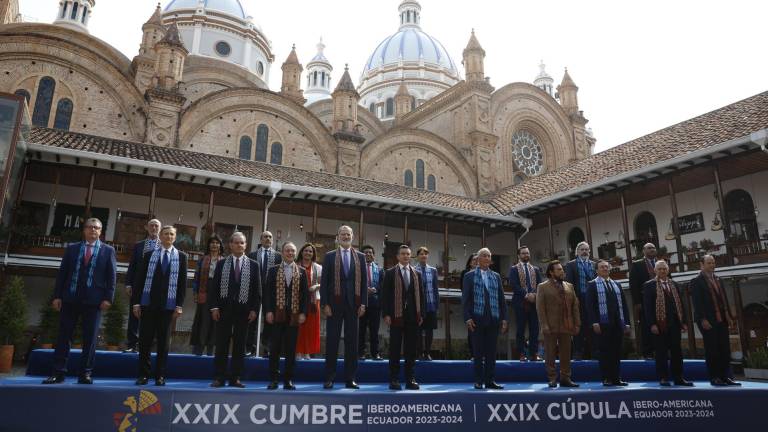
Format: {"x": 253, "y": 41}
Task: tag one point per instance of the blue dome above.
{"x": 232, "y": 7}
{"x": 411, "y": 45}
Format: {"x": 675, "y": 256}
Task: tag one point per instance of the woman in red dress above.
{"x": 308, "y": 341}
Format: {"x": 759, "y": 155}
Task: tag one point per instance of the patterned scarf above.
{"x": 91, "y": 266}
{"x": 205, "y": 274}
{"x": 530, "y": 286}
{"x": 355, "y": 264}
{"x": 661, "y": 304}
{"x": 295, "y": 294}
{"x": 245, "y": 278}
{"x": 173, "y": 278}
{"x": 492, "y": 287}
{"x": 429, "y": 287}
{"x": 150, "y": 245}
{"x": 586, "y": 273}
{"x": 568, "y": 324}
{"x": 602, "y": 285}
{"x": 312, "y": 280}
{"x": 398, "y": 320}
{"x": 718, "y": 297}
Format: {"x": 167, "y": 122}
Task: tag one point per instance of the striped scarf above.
{"x": 150, "y": 245}
{"x": 295, "y": 295}
{"x": 661, "y": 304}
{"x": 492, "y": 287}
{"x": 429, "y": 287}
{"x": 355, "y": 264}
{"x": 718, "y": 297}
{"x": 245, "y": 278}
{"x": 586, "y": 273}
{"x": 91, "y": 266}
{"x": 602, "y": 285}
{"x": 398, "y": 320}
{"x": 173, "y": 278}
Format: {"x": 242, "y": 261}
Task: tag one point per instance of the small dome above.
{"x": 231, "y": 7}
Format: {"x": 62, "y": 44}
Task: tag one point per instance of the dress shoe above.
{"x": 427, "y": 357}
{"x": 731, "y": 382}
{"x": 523, "y": 358}
{"x": 608, "y": 383}
{"x": 236, "y": 383}
{"x": 361, "y": 357}
{"x": 412, "y": 385}
{"x": 717, "y": 382}
{"x": 478, "y": 386}
{"x": 378, "y": 357}
{"x": 664, "y": 383}
{"x": 251, "y": 353}
{"x": 351, "y": 385}
{"x": 552, "y": 384}
{"x": 621, "y": 383}
{"x": 328, "y": 384}
{"x": 288, "y": 385}
{"x": 568, "y": 383}
{"x": 142, "y": 381}
{"x": 394, "y": 385}
{"x": 54, "y": 379}
{"x": 160, "y": 381}
{"x": 493, "y": 385}
{"x": 272, "y": 385}
{"x": 534, "y": 358}
{"x": 130, "y": 350}
{"x": 217, "y": 383}
{"x": 684, "y": 383}
{"x": 85, "y": 378}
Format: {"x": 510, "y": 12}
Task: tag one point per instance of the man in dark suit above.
{"x": 139, "y": 249}
{"x": 641, "y": 272}
{"x": 343, "y": 297}
{"x": 286, "y": 303}
{"x": 234, "y": 297}
{"x": 665, "y": 313}
{"x": 578, "y": 272}
{"x": 371, "y": 319}
{"x": 485, "y": 313}
{"x": 428, "y": 275}
{"x": 524, "y": 278}
{"x": 159, "y": 296}
{"x": 267, "y": 257}
{"x": 85, "y": 287}
{"x": 608, "y": 314}
{"x": 712, "y": 314}
{"x": 403, "y": 305}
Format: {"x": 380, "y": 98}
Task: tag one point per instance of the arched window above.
{"x": 420, "y": 174}
{"x": 372, "y": 107}
{"x": 43, "y": 101}
{"x": 63, "y": 114}
{"x": 22, "y": 92}
{"x": 575, "y": 236}
{"x": 277, "y": 154}
{"x": 740, "y": 215}
{"x": 85, "y": 14}
{"x": 262, "y": 136}
{"x": 314, "y": 78}
{"x": 408, "y": 178}
{"x": 322, "y": 79}
{"x": 646, "y": 231}
{"x": 74, "y": 11}
{"x": 390, "y": 107}
{"x": 309, "y": 80}
{"x": 431, "y": 183}
{"x": 245, "y": 147}
{"x": 64, "y": 10}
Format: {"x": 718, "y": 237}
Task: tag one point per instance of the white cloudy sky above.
{"x": 639, "y": 65}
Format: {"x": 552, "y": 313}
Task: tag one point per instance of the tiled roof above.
{"x": 255, "y": 170}
{"x": 730, "y": 122}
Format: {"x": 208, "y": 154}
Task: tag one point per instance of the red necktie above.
{"x": 88, "y": 254}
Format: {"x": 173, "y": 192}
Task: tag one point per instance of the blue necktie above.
{"x": 166, "y": 262}
{"x": 527, "y": 278}
{"x": 345, "y": 255}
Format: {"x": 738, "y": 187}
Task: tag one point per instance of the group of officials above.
{"x": 577, "y": 304}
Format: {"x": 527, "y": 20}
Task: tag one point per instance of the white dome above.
{"x": 410, "y": 44}
{"x": 231, "y": 7}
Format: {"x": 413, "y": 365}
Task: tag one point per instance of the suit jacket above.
{"x": 377, "y": 277}
{"x": 134, "y": 266}
{"x": 592, "y": 305}
{"x": 409, "y": 297}
{"x": 550, "y": 308}
{"x": 468, "y": 297}
{"x": 216, "y": 301}
{"x": 347, "y": 282}
{"x": 270, "y": 293}
{"x": 518, "y": 291}
{"x": 104, "y": 276}
{"x": 572, "y": 275}
{"x": 649, "y": 303}
{"x": 159, "y": 289}
{"x": 273, "y": 258}
{"x": 703, "y": 307}
{"x": 431, "y": 272}
{"x": 638, "y": 275}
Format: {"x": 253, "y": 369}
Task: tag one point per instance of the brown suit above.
{"x": 557, "y": 332}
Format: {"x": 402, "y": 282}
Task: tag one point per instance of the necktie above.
{"x": 166, "y": 262}
{"x": 406, "y": 279}
{"x": 345, "y": 255}
{"x": 237, "y": 270}
{"x": 88, "y": 252}
{"x": 665, "y": 285}
{"x": 263, "y": 260}
{"x": 527, "y": 278}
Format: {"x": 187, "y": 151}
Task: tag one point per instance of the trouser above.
{"x": 370, "y": 320}
{"x": 250, "y": 338}
{"x": 557, "y": 345}
{"x": 91, "y": 320}
{"x": 717, "y": 350}
{"x": 526, "y": 316}
{"x": 585, "y": 344}
{"x": 346, "y": 316}
{"x": 403, "y": 338}
{"x": 154, "y": 324}
{"x": 669, "y": 354}
{"x": 646, "y": 337}
{"x": 232, "y": 326}
{"x": 283, "y": 341}
{"x": 132, "y": 334}
{"x": 610, "y": 342}
{"x": 483, "y": 340}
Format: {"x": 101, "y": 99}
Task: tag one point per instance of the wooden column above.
{"x": 738, "y": 306}
{"x": 151, "y": 210}
{"x": 209, "y": 221}
{"x": 361, "y": 231}
{"x": 625, "y": 224}
{"x": 483, "y": 242}
{"x": 314, "y": 223}
{"x": 675, "y": 227}
{"x": 406, "y": 234}
{"x": 89, "y": 196}
{"x": 723, "y": 217}
{"x": 592, "y": 247}
{"x": 445, "y": 254}
{"x": 552, "y": 253}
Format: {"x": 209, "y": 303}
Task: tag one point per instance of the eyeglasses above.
{"x": 94, "y": 227}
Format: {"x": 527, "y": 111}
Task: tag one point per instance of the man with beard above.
{"x": 641, "y": 272}
{"x": 578, "y": 272}
{"x": 371, "y": 319}
{"x": 149, "y": 244}
{"x": 524, "y": 278}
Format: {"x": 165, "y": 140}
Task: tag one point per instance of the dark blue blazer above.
{"x": 592, "y": 306}
{"x": 273, "y": 258}
{"x": 347, "y": 281}
{"x": 572, "y": 276}
{"x": 468, "y": 297}
{"x": 215, "y": 300}
{"x": 134, "y": 266}
{"x": 270, "y": 292}
{"x": 432, "y": 271}
{"x": 104, "y": 275}
{"x": 377, "y": 273}
{"x": 518, "y": 292}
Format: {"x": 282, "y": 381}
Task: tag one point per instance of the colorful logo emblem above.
{"x": 146, "y": 405}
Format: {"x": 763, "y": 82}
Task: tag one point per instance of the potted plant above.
{"x": 617, "y": 261}
{"x": 49, "y": 324}
{"x": 756, "y": 364}
{"x": 707, "y": 245}
{"x": 113, "y": 323}
{"x": 13, "y": 319}
{"x": 662, "y": 252}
